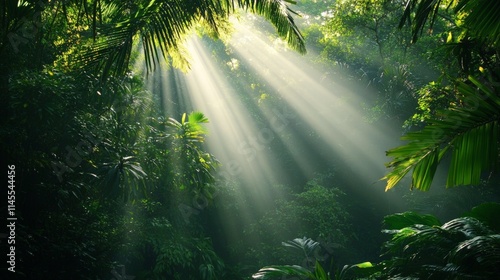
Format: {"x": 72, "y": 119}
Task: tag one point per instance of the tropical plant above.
{"x": 92, "y": 143}
{"x": 162, "y": 26}
{"x": 156, "y": 248}
{"x": 195, "y": 167}
{"x": 479, "y": 16}
{"x": 469, "y": 130}
{"x": 317, "y": 272}
{"x": 307, "y": 246}
{"x": 293, "y": 215}
{"x": 423, "y": 248}
{"x": 90, "y": 152}
{"x": 467, "y": 123}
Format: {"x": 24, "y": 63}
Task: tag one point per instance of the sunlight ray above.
{"x": 320, "y": 125}
{"x": 330, "y": 108}
{"x": 234, "y": 138}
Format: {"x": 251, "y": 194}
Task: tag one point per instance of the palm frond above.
{"x": 488, "y": 213}
{"x": 270, "y": 272}
{"x": 470, "y": 227}
{"x": 320, "y": 273}
{"x": 280, "y": 15}
{"x": 480, "y": 16}
{"x": 357, "y": 271}
{"x": 463, "y": 248}
{"x": 190, "y": 127}
{"x": 448, "y": 271}
{"x": 481, "y": 253}
{"x": 482, "y": 19}
{"x": 423, "y": 12}
{"x": 406, "y": 219}
{"x": 197, "y": 117}
{"x": 304, "y": 244}
{"x": 469, "y": 129}
{"x": 162, "y": 26}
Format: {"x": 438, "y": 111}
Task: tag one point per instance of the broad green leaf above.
{"x": 271, "y": 272}
{"x": 406, "y": 219}
{"x": 488, "y": 213}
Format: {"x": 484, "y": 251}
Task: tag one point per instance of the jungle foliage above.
{"x": 421, "y": 247}
{"x": 460, "y": 126}
{"x": 103, "y": 177}
{"x": 106, "y": 179}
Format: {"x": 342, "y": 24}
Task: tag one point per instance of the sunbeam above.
{"x": 314, "y": 124}
{"x": 255, "y": 139}
{"x": 327, "y": 105}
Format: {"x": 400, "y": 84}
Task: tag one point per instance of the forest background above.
{"x": 105, "y": 178}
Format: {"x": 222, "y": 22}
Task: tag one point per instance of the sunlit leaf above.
{"x": 162, "y": 27}
{"x": 364, "y": 265}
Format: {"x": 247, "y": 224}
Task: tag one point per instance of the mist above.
{"x": 302, "y": 121}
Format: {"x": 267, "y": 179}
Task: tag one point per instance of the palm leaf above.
{"x": 480, "y": 16}
{"x": 190, "y": 127}
{"x": 423, "y": 11}
{"x": 197, "y": 117}
{"x": 307, "y": 245}
{"x": 270, "y": 272}
{"x": 162, "y": 26}
{"x": 469, "y": 129}
{"x": 470, "y": 227}
{"x": 482, "y": 19}
{"x": 480, "y": 254}
{"x": 448, "y": 271}
{"x": 406, "y": 219}
{"x": 423, "y": 243}
{"x": 357, "y": 271}
{"x": 280, "y": 15}
{"x": 463, "y": 248}
{"x": 320, "y": 273}
{"x": 488, "y": 213}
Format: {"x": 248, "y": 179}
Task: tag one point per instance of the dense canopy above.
{"x": 241, "y": 139}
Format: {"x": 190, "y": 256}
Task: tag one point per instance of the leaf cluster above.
{"x": 468, "y": 129}
{"x": 422, "y": 247}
